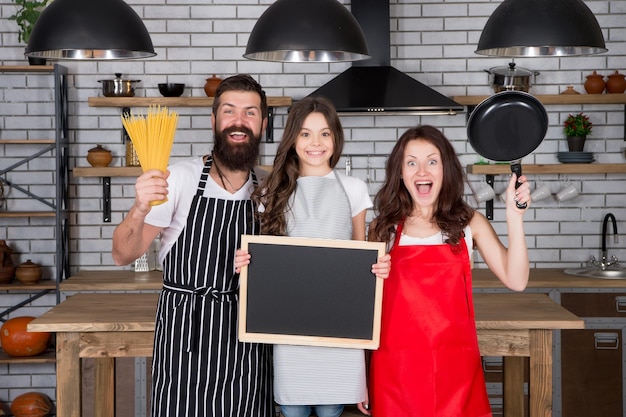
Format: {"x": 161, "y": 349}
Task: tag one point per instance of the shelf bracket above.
{"x": 106, "y": 199}
{"x": 489, "y": 203}
{"x": 269, "y": 130}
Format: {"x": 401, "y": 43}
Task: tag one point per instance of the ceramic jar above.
{"x": 616, "y": 83}
{"x": 28, "y": 272}
{"x": 7, "y": 268}
{"x": 595, "y": 84}
{"x": 210, "y": 88}
{"x": 99, "y": 157}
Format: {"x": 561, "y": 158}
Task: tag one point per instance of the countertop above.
{"x": 125, "y": 280}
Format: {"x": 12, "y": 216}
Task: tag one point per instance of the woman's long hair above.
{"x": 393, "y": 203}
{"x": 281, "y": 183}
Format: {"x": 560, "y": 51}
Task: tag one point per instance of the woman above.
{"x": 428, "y": 363}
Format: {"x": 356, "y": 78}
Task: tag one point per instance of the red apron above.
{"x": 428, "y": 363}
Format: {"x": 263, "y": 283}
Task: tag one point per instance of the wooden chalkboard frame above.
{"x": 347, "y": 312}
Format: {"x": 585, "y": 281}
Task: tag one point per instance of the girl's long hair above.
{"x": 281, "y": 183}
{"x": 393, "y": 203}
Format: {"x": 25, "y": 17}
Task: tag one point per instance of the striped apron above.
{"x": 317, "y": 375}
{"x": 199, "y": 368}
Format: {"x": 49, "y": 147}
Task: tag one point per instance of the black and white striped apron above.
{"x": 199, "y": 367}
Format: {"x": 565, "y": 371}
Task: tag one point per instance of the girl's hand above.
{"x": 382, "y": 268}
{"x": 364, "y": 407}
{"x": 242, "y": 258}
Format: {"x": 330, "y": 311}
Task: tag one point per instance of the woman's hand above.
{"x": 242, "y": 258}
{"x": 382, "y": 268}
{"x": 520, "y": 195}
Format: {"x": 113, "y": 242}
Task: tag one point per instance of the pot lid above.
{"x": 28, "y": 264}
{"x": 511, "y": 71}
{"x": 99, "y": 149}
{"x": 118, "y": 79}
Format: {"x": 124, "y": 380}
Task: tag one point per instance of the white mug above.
{"x": 567, "y": 193}
{"x": 503, "y": 196}
{"x": 540, "y": 193}
{"x": 485, "y": 193}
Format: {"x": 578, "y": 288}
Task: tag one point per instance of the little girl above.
{"x": 304, "y": 196}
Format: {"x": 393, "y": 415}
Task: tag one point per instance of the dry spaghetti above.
{"x": 153, "y": 136}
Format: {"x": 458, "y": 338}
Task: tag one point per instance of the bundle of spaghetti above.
{"x": 152, "y": 135}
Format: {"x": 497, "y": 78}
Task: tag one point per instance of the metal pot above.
{"x": 510, "y": 78}
{"x": 118, "y": 87}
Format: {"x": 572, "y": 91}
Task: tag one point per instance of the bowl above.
{"x": 171, "y": 89}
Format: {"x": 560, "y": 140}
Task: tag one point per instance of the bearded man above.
{"x": 199, "y": 368}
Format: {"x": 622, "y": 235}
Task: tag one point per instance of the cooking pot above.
{"x": 506, "y": 127}
{"x": 510, "y": 78}
{"x": 118, "y": 87}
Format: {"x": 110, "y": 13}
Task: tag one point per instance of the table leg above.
{"x": 68, "y": 375}
{"x": 104, "y": 387}
{"x": 513, "y": 385}
{"x": 540, "y": 386}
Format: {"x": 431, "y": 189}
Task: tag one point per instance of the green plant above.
{"x": 26, "y": 16}
{"x": 577, "y": 125}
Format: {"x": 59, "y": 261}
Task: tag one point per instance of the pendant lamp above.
{"x": 307, "y": 31}
{"x": 89, "y": 29}
{"x": 519, "y": 28}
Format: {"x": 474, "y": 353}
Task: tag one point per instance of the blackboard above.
{"x": 318, "y": 292}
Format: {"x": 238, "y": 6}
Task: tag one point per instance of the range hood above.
{"x": 373, "y": 85}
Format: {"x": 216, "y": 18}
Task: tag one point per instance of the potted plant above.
{"x": 576, "y": 128}
{"x": 26, "y": 16}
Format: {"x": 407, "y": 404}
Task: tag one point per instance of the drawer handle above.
{"x": 620, "y": 304}
{"x": 606, "y": 341}
{"x": 492, "y": 365}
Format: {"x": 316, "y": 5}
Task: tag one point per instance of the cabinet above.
{"x": 50, "y": 199}
{"x": 592, "y": 360}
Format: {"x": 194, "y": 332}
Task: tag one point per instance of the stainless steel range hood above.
{"x": 373, "y": 85}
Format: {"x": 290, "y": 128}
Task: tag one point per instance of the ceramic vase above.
{"x": 210, "y": 88}
{"x": 595, "y": 83}
{"x": 576, "y": 143}
{"x": 616, "y": 83}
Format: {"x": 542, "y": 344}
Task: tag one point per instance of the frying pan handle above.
{"x": 516, "y": 168}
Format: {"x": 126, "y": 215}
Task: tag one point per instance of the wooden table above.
{"x": 107, "y": 326}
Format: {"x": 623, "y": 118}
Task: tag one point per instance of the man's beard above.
{"x": 239, "y": 156}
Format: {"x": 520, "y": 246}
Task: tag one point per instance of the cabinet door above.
{"x": 591, "y": 372}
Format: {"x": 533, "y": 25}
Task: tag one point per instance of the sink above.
{"x": 598, "y": 273}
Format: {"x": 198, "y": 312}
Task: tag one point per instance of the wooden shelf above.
{"x": 15, "y": 214}
{"x": 46, "y": 357}
{"x": 107, "y": 171}
{"x": 497, "y": 169}
{"x": 44, "y": 284}
{"x": 27, "y": 141}
{"x": 113, "y": 280}
{"x": 26, "y": 68}
{"x": 555, "y": 99}
{"x": 171, "y": 101}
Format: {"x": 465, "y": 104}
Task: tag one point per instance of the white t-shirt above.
{"x": 436, "y": 239}
{"x": 183, "y": 183}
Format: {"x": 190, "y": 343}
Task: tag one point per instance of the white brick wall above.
{"x": 433, "y": 41}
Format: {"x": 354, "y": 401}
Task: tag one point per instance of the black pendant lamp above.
{"x": 89, "y": 29}
{"x": 307, "y": 31}
{"x": 522, "y": 28}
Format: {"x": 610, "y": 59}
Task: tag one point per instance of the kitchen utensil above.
{"x": 568, "y": 192}
{"x": 484, "y": 193}
{"x": 171, "y": 89}
{"x": 118, "y": 87}
{"x": 28, "y": 272}
{"x": 506, "y": 127}
{"x": 510, "y": 78}
{"x": 210, "y": 88}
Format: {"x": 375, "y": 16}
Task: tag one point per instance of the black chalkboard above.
{"x": 317, "y": 292}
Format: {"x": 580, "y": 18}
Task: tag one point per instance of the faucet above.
{"x": 603, "y": 263}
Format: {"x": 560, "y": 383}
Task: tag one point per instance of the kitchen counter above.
{"x": 125, "y": 280}
{"x": 548, "y": 278}
{"x": 106, "y": 326}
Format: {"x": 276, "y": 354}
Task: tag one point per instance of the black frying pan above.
{"x": 506, "y": 127}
